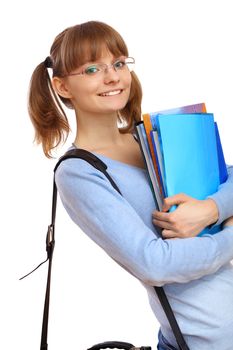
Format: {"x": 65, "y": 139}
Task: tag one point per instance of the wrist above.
{"x": 213, "y": 213}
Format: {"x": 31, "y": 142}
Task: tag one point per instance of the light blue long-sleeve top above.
{"x": 196, "y": 272}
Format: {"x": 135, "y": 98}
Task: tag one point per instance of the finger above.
{"x": 174, "y": 200}
{"x": 162, "y": 224}
{"x": 169, "y": 234}
{"x": 158, "y": 215}
{"x": 169, "y": 202}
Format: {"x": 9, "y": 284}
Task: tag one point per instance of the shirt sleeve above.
{"x": 224, "y": 198}
{"x": 109, "y": 220}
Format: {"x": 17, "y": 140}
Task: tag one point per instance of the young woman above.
{"x": 91, "y": 74}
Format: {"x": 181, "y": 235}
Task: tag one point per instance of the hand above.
{"x": 189, "y": 218}
{"x": 228, "y": 222}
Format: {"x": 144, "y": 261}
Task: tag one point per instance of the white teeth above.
{"x": 111, "y": 93}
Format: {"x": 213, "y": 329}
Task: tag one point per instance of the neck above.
{"x": 97, "y": 133}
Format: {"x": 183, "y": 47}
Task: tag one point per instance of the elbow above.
{"x": 153, "y": 265}
{"x": 152, "y": 275}
{"x": 154, "y": 281}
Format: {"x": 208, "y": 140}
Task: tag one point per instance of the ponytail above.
{"x": 46, "y": 113}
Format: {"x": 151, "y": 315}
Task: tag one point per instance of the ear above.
{"x": 61, "y": 87}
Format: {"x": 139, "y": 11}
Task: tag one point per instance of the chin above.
{"x": 117, "y": 105}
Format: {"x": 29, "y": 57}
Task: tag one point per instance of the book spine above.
{"x": 148, "y": 129}
{"x": 140, "y": 132}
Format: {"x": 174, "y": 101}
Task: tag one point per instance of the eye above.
{"x": 91, "y": 70}
{"x": 119, "y": 64}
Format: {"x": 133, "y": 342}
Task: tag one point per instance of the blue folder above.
{"x": 221, "y": 159}
{"x": 190, "y": 155}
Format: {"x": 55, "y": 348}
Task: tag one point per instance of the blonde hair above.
{"x": 72, "y": 48}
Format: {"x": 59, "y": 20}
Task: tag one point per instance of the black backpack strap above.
{"x": 50, "y": 242}
{"x": 50, "y": 237}
{"x": 91, "y": 159}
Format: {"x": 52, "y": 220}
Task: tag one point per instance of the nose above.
{"x": 111, "y": 75}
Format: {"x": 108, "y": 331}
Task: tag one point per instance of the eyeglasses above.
{"x": 96, "y": 69}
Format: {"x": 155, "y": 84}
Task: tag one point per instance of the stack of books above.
{"x": 182, "y": 152}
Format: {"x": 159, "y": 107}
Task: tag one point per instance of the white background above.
{"x": 183, "y": 51}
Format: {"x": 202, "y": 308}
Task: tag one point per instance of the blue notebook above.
{"x": 189, "y": 149}
{"x": 221, "y": 159}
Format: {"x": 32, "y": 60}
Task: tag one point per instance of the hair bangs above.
{"x": 87, "y": 43}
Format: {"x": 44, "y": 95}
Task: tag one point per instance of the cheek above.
{"x": 82, "y": 91}
{"x": 82, "y": 87}
{"x": 129, "y": 80}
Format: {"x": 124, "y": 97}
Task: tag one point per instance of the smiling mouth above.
{"x": 111, "y": 93}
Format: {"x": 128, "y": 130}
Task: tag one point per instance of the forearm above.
{"x": 155, "y": 261}
{"x": 183, "y": 260}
